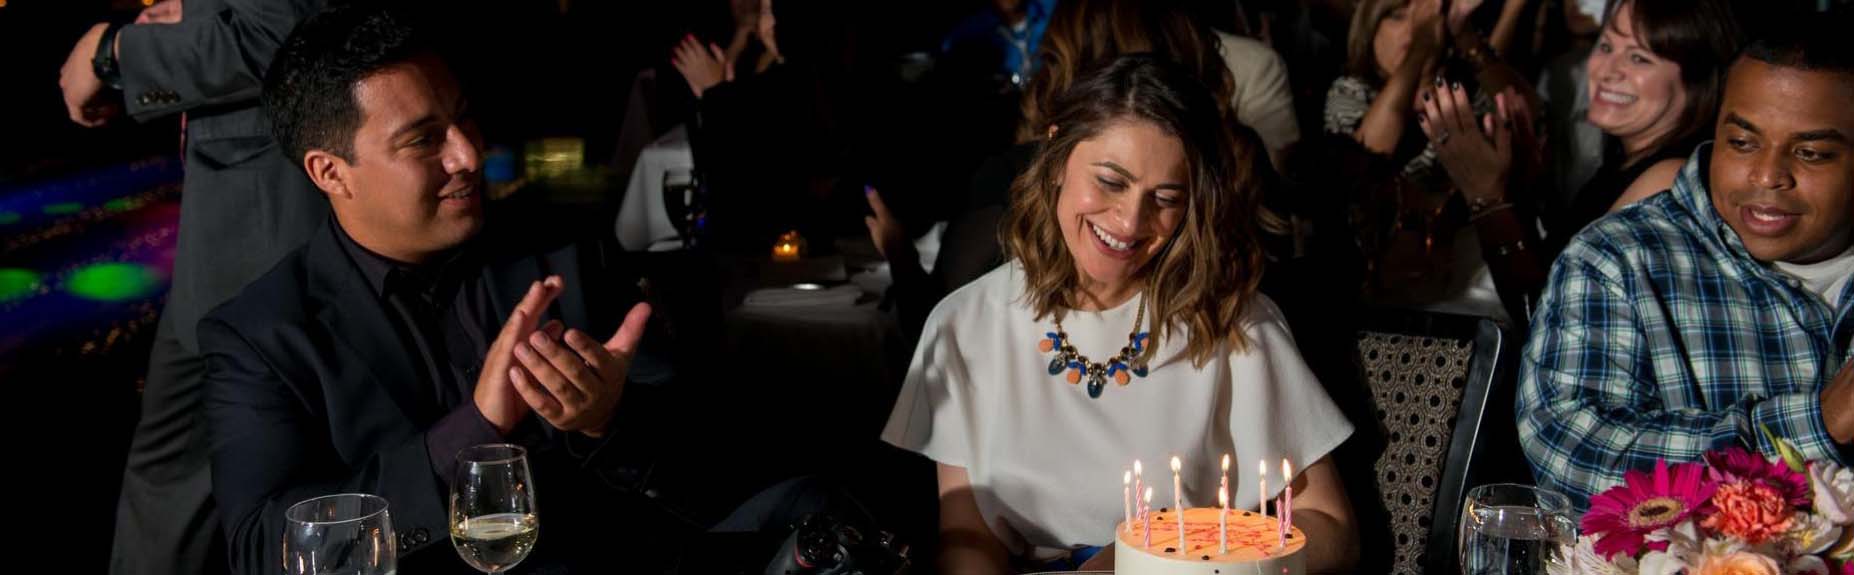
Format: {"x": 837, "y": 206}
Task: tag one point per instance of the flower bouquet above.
{"x": 1734, "y": 513}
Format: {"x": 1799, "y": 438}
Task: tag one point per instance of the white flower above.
{"x": 1812, "y": 534}
{"x": 1683, "y": 549}
{"x": 1662, "y": 563}
{"x": 1806, "y": 565}
{"x": 1833, "y": 487}
{"x": 1582, "y": 559}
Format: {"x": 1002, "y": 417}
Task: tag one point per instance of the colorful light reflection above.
{"x": 112, "y": 281}
{"x": 63, "y": 208}
{"x": 16, "y": 284}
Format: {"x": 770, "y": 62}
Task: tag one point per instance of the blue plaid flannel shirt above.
{"x": 1659, "y": 337}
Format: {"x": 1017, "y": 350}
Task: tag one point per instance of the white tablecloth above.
{"x": 643, "y": 222}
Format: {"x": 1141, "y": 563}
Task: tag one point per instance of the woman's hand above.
{"x": 1425, "y": 38}
{"x": 746, "y": 14}
{"x": 765, "y": 27}
{"x": 886, "y": 231}
{"x": 1460, "y": 11}
{"x": 1102, "y": 561}
{"x": 966, "y": 543}
{"x": 1387, "y": 118}
{"x": 703, "y": 68}
{"x": 1477, "y": 154}
{"x": 163, "y": 12}
{"x": 1323, "y": 512}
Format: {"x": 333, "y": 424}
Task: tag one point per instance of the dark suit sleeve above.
{"x": 269, "y": 452}
{"x": 215, "y": 55}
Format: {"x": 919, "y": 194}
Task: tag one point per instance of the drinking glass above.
{"x": 1512, "y": 529}
{"x": 347, "y": 534}
{"x": 493, "y": 520}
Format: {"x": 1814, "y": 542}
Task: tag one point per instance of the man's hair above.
{"x": 1816, "y": 44}
{"x": 309, "y": 89}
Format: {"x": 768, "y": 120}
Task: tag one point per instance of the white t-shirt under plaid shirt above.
{"x": 1045, "y": 460}
{"x": 1659, "y": 337}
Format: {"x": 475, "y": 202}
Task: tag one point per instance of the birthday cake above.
{"x": 1254, "y": 545}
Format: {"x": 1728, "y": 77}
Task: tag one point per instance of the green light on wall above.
{"x": 120, "y": 205}
{"x": 17, "y": 284}
{"x": 7, "y": 218}
{"x": 62, "y": 208}
{"x": 111, "y": 282}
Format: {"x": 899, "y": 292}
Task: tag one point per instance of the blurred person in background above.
{"x": 1373, "y": 174}
{"x": 243, "y": 206}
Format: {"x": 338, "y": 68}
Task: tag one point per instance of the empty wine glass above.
{"x": 347, "y": 534}
{"x": 493, "y": 521}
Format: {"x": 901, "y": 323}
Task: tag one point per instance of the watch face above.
{"x": 104, "y": 63}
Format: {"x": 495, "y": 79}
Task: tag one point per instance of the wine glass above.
{"x": 1513, "y": 529}
{"x": 493, "y": 520}
{"x": 682, "y": 202}
{"x": 347, "y": 534}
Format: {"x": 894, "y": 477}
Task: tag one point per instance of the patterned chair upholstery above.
{"x": 1441, "y": 389}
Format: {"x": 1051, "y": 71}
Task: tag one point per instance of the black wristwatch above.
{"x": 104, "y": 63}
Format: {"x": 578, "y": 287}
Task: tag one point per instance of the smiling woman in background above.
{"x": 1655, "y": 79}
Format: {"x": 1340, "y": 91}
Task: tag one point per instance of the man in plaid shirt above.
{"x": 1691, "y": 320}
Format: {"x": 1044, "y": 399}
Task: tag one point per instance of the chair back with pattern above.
{"x": 1441, "y": 388}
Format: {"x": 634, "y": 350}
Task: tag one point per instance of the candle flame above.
{"x": 1287, "y": 471}
{"x": 1126, "y": 478}
{"x": 1176, "y": 465}
{"x": 1136, "y": 467}
{"x": 1226, "y": 463}
{"x": 1148, "y": 495}
{"x": 1262, "y": 467}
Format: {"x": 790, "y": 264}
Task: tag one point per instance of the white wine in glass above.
{"x": 493, "y": 520}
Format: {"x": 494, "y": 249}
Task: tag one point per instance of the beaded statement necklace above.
{"x": 1121, "y": 367}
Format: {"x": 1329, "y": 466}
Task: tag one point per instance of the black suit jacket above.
{"x": 309, "y": 393}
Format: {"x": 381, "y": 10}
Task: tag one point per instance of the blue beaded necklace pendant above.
{"x": 1076, "y": 368}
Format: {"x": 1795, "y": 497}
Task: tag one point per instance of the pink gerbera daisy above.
{"x": 1734, "y": 465}
{"x": 1623, "y": 516}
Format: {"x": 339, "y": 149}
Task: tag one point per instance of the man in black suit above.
{"x": 413, "y": 323}
{"x": 243, "y": 206}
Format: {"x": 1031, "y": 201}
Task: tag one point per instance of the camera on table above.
{"x": 821, "y": 545}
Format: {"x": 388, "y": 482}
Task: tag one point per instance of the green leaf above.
{"x": 1788, "y": 452}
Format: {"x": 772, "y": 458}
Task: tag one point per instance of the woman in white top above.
{"x": 1136, "y": 215}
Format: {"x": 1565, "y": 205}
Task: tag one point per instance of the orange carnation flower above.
{"x": 1751, "y": 511}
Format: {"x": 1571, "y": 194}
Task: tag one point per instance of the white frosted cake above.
{"x": 1254, "y": 546}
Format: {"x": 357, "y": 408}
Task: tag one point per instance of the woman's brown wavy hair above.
{"x": 1206, "y": 274}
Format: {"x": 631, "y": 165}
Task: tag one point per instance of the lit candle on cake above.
{"x": 1223, "y": 520}
{"x": 1178, "y": 502}
{"x": 1126, "y": 498}
{"x": 1139, "y": 486}
{"x": 1261, "y": 497}
{"x": 1286, "y": 508}
{"x": 1146, "y": 517}
{"x": 1224, "y": 483}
